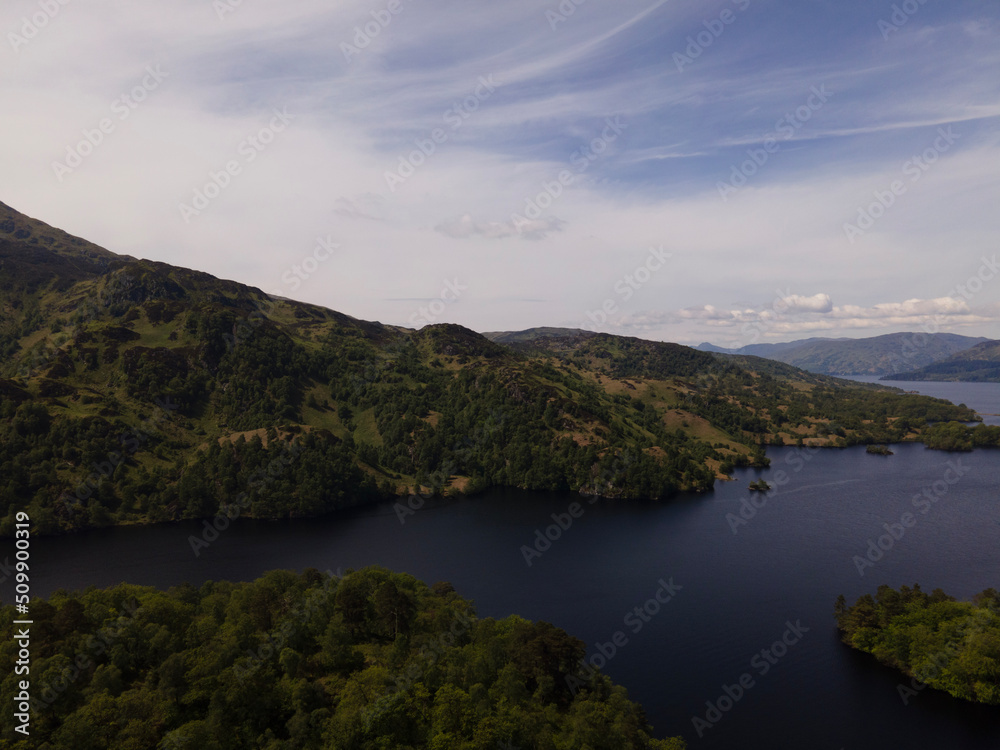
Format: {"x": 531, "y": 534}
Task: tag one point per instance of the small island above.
{"x": 879, "y": 450}
{"x": 759, "y": 486}
{"x": 933, "y": 639}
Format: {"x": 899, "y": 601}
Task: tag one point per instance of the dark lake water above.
{"x": 734, "y": 594}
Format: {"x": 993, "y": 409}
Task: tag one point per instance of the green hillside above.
{"x": 133, "y": 391}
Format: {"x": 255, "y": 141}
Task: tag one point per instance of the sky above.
{"x": 734, "y": 171}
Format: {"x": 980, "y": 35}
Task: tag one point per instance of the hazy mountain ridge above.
{"x": 878, "y": 355}
{"x": 135, "y": 391}
{"x": 980, "y": 364}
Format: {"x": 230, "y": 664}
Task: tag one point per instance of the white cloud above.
{"x": 794, "y": 303}
{"x": 780, "y": 236}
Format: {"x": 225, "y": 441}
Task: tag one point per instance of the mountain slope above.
{"x": 136, "y": 391}
{"x": 980, "y": 364}
{"x": 878, "y": 355}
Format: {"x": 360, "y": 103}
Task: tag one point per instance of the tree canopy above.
{"x": 947, "y": 644}
{"x": 371, "y": 661}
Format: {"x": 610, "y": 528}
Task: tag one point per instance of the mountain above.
{"x": 879, "y": 355}
{"x": 704, "y": 346}
{"x": 133, "y": 391}
{"x": 533, "y": 334}
{"x": 980, "y": 364}
{"x": 765, "y": 350}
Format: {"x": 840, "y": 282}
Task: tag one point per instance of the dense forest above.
{"x": 932, "y": 638}
{"x": 953, "y": 436}
{"x": 371, "y": 661}
{"x": 133, "y": 391}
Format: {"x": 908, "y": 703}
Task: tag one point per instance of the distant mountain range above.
{"x": 879, "y": 355}
{"x": 980, "y": 364}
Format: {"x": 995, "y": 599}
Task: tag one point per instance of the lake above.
{"x": 750, "y": 598}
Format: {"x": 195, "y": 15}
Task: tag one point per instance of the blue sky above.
{"x": 739, "y": 172}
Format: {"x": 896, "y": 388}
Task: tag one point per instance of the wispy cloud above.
{"x": 357, "y": 115}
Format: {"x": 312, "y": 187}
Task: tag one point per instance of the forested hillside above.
{"x": 133, "y": 391}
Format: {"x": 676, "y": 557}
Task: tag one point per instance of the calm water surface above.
{"x": 738, "y": 592}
